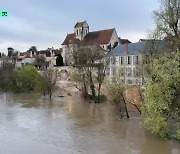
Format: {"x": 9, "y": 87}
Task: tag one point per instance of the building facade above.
{"x": 105, "y": 39}
{"x": 126, "y": 61}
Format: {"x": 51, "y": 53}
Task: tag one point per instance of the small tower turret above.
{"x": 81, "y": 29}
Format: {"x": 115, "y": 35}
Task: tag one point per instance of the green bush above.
{"x": 161, "y": 108}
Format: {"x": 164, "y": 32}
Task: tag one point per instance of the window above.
{"x": 113, "y": 60}
{"x": 121, "y": 60}
{"x": 129, "y": 71}
{"x": 137, "y": 82}
{"x": 107, "y": 72}
{"x": 122, "y": 73}
{"x": 129, "y": 81}
{"x": 134, "y": 72}
{"x": 129, "y": 60}
{"x": 77, "y": 32}
{"x": 136, "y": 59}
{"x": 113, "y": 71}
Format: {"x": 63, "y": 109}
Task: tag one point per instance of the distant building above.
{"x": 127, "y": 58}
{"x": 105, "y": 39}
{"x": 43, "y": 57}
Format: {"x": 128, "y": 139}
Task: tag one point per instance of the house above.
{"x": 105, "y": 39}
{"x": 127, "y": 58}
{"x": 24, "y": 58}
{"x": 43, "y": 57}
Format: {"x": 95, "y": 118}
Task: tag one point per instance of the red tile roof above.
{"x": 68, "y": 38}
{"x": 92, "y": 38}
{"x": 26, "y": 55}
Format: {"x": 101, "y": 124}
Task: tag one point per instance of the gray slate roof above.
{"x": 133, "y": 48}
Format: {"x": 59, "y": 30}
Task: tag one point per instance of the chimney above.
{"x": 126, "y": 48}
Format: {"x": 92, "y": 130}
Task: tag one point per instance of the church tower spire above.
{"x": 81, "y": 29}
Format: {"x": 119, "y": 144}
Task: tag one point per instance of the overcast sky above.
{"x": 45, "y": 23}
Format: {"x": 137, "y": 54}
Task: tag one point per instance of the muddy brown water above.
{"x": 30, "y": 124}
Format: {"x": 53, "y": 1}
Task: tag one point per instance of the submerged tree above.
{"x": 49, "y": 81}
{"x": 27, "y": 79}
{"x": 90, "y": 71}
{"x": 118, "y": 93}
{"x": 7, "y": 77}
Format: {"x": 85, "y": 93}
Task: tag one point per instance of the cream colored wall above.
{"x": 114, "y": 38}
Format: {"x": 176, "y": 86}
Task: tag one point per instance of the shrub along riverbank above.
{"x": 27, "y": 79}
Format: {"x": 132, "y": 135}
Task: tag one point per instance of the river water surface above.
{"x": 30, "y": 124}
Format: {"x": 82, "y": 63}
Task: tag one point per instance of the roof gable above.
{"x": 98, "y": 37}
{"x": 92, "y": 38}
{"x": 68, "y": 38}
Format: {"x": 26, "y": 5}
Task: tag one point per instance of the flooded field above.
{"x": 30, "y": 124}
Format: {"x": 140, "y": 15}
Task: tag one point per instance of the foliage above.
{"x": 162, "y": 100}
{"x": 168, "y": 20}
{"x": 7, "y": 76}
{"x": 90, "y": 71}
{"x": 117, "y": 96}
{"x": 27, "y": 79}
{"x": 116, "y": 89}
{"x": 48, "y": 82}
{"x": 119, "y": 92}
{"x": 168, "y": 17}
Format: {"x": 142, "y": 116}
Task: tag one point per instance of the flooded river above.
{"x": 30, "y": 124}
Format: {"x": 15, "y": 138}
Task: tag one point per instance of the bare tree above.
{"x": 89, "y": 65}
{"x": 168, "y": 21}
{"x": 118, "y": 93}
{"x": 49, "y": 80}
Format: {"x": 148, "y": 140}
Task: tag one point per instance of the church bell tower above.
{"x": 81, "y": 29}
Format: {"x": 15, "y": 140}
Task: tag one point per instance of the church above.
{"x": 105, "y": 39}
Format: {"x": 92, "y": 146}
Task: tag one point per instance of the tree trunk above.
{"x": 99, "y": 91}
{"x": 92, "y": 86}
{"x": 125, "y": 106}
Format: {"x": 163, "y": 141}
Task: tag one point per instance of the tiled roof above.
{"x": 26, "y": 55}
{"x": 92, "y": 38}
{"x": 68, "y": 38}
{"x": 133, "y": 48}
{"x": 98, "y": 37}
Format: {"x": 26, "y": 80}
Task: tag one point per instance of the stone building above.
{"x": 105, "y": 39}
{"x": 128, "y": 59}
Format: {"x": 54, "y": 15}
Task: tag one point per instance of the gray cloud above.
{"x": 45, "y": 23}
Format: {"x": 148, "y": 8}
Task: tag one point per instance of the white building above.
{"x": 49, "y": 56}
{"x": 106, "y": 39}
{"x": 127, "y": 58}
